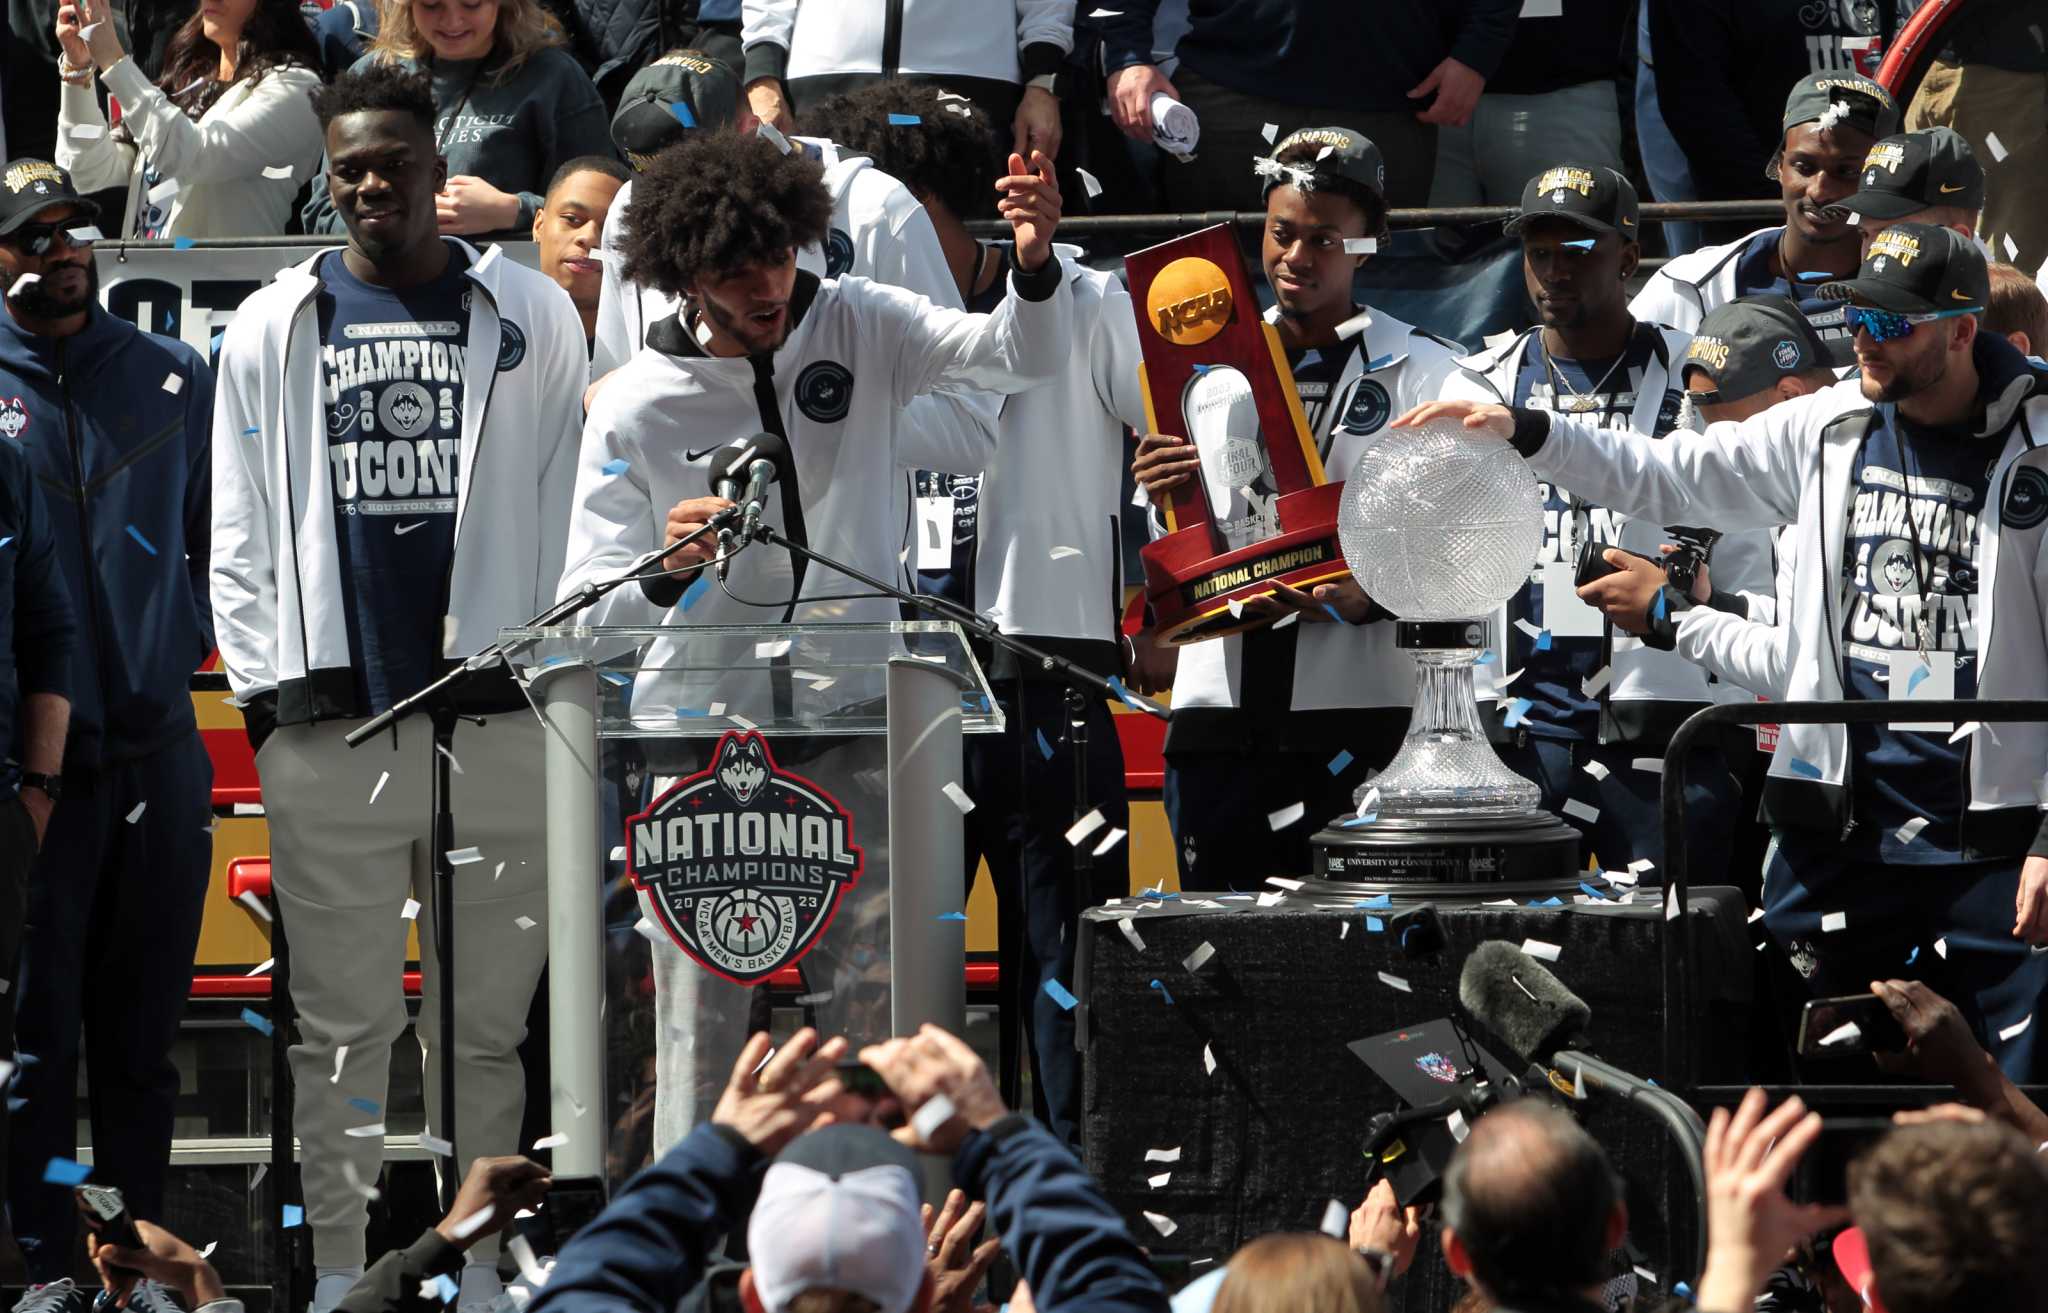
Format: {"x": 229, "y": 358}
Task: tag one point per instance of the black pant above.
{"x": 17, "y": 858}
{"x": 1220, "y": 806}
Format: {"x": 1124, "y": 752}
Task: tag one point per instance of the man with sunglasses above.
{"x": 116, "y": 424}
{"x": 1908, "y": 847}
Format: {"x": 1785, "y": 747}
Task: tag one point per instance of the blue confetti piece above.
{"x": 1581, "y": 244}
{"x": 1815, "y": 276}
{"x": 8, "y": 539}
{"x": 136, "y": 534}
{"x": 257, "y": 1022}
{"x": 181, "y": 243}
{"x": 1913, "y": 956}
{"x": 1552, "y": 901}
{"x": 683, "y": 713}
{"x": 1375, "y": 366}
{"x": 1374, "y": 924}
{"x": 1657, "y": 606}
{"x": 1057, "y": 992}
{"x": 445, "y": 1287}
{"x": 1377, "y": 900}
{"x": 1591, "y": 890}
{"x": 1044, "y": 748}
{"x": 951, "y": 916}
{"x": 1116, "y": 686}
{"x": 1202, "y": 369}
{"x": 1333, "y": 613}
{"x": 1543, "y": 640}
{"x": 683, "y": 114}
{"x": 251, "y": 431}
{"x": 1805, "y": 769}
{"x": 294, "y": 1216}
{"x": 62, "y": 1171}
{"x": 904, "y": 120}
{"x": 1339, "y": 762}
{"x": 1164, "y": 993}
{"x": 1516, "y": 711}
{"x": 370, "y": 1106}
{"x": 1368, "y": 818}
{"x": 1486, "y": 657}
{"x": 1913, "y": 680}
{"x": 696, "y": 591}
{"x": 1682, "y": 1290}
{"x": 616, "y": 467}
{"x": 1353, "y": 822}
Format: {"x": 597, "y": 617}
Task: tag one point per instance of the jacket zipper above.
{"x": 91, "y": 574}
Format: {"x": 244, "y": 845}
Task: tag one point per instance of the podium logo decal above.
{"x": 743, "y": 862}
{"x": 1189, "y": 301}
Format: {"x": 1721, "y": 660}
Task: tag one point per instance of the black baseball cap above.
{"x": 31, "y": 186}
{"x": 1918, "y": 268}
{"x": 684, "y": 89}
{"x": 1597, "y": 199}
{"x": 1341, "y": 153}
{"x": 1916, "y": 171}
{"x": 1747, "y": 345}
{"x": 1865, "y": 105}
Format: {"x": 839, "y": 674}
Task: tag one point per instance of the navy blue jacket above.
{"x": 37, "y": 633}
{"x": 650, "y": 1249}
{"x": 1361, "y": 54}
{"x": 118, "y": 426}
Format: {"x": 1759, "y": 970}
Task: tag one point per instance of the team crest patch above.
{"x": 1439, "y": 1068}
{"x": 1369, "y": 408}
{"x": 838, "y": 253}
{"x": 1785, "y": 355}
{"x": 1886, "y": 155}
{"x": 1670, "y": 411}
{"x": 744, "y": 863}
{"x": 1565, "y": 178}
{"x": 2026, "y": 497}
{"x": 1893, "y": 244}
{"x": 511, "y": 345}
{"x": 824, "y": 391}
{"x": 13, "y": 418}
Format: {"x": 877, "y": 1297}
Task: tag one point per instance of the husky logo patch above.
{"x": 838, "y": 253}
{"x": 2026, "y": 497}
{"x": 1439, "y": 1068}
{"x": 511, "y": 345}
{"x": 824, "y": 391}
{"x": 13, "y": 418}
{"x": 744, "y": 863}
{"x": 1370, "y": 408}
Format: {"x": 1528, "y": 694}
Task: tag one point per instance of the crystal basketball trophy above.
{"x": 1440, "y": 526}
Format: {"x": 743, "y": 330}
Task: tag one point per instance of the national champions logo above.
{"x": 1439, "y": 1068}
{"x": 744, "y": 863}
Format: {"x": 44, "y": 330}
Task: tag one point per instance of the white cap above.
{"x": 838, "y": 1211}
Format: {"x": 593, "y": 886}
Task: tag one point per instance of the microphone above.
{"x": 740, "y": 472}
{"x": 1512, "y": 995}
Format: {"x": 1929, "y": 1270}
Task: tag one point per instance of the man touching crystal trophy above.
{"x": 1439, "y": 526}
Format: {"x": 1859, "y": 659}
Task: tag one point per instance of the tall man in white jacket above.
{"x": 394, "y": 449}
{"x": 1919, "y": 499}
{"x": 832, "y": 364}
{"x": 1580, "y": 702}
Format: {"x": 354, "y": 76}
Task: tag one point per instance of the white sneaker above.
{"x": 60, "y": 1296}
{"x": 148, "y": 1297}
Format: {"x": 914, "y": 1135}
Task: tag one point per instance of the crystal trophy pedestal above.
{"x": 1439, "y": 525}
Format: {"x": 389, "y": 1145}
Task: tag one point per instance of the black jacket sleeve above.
{"x": 392, "y": 1285}
{"x": 45, "y": 630}
{"x": 1488, "y": 30}
{"x": 1695, "y": 45}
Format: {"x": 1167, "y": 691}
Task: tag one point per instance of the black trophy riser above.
{"x": 1533, "y": 853}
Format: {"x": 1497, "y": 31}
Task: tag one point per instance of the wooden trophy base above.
{"x": 1191, "y": 590}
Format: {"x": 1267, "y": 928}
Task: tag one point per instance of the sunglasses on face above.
{"x": 1890, "y": 325}
{"x": 42, "y": 238}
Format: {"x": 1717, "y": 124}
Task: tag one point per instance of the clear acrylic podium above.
{"x": 730, "y": 806}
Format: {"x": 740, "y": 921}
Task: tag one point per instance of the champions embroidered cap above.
{"x": 1918, "y": 268}
{"x": 1597, "y": 199}
{"x": 31, "y": 186}
{"x": 838, "y": 1210}
{"x": 1831, "y": 98}
{"x": 1746, "y": 345}
{"x": 1916, "y": 171}
{"x": 1340, "y": 153}
{"x": 682, "y": 90}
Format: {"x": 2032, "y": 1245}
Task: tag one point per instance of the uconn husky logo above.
{"x": 744, "y": 863}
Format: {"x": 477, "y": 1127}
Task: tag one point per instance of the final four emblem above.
{"x": 744, "y": 863}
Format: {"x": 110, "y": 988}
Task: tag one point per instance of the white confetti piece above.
{"x": 1158, "y": 1181}
{"x": 1161, "y": 1223}
{"x": 1672, "y": 907}
{"x": 770, "y": 648}
{"x": 1361, "y": 246}
{"x": 497, "y": 871}
{"x": 1995, "y": 146}
{"x": 1198, "y": 959}
{"x": 248, "y": 899}
{"x": 737, "y": 719}
{"x": 648, "y": 930}
{"x": 1597, "y": 769}
{"x": 261, "y": 1170}
{"x": 937, "y": 1111}
{"x": 524, "y": 922}
{"x": 1286, "y": 620}
{"x": 1459, "y": 1127}
{"x": 1584, "y": 811}
{"x": 1755, "y": 917}
{"x": 1640, "y": 865}
{"x": 715, "y": 709}
{"x": 382, "y": 780}
{"x": 1129, "y": 930}
{"x": 85, "y": 132}
{"x": 434, "y": 1144}
{"x": 211, "y": 1245}
{"x": 619, "y": 853}
{"x": 1395, "y": 982}
{"x": 453, "y": 764}
{"x": 163, "y": 191}
{"x": 1106, "y": 13}
{"x": 1941, "y": 948}
{"x": 1084, "y": 827}
{"x": 1270, "y": 132}
{"x": 1343, "y": 930}
{"x": 1369, "y": 803}
{"x": 174, "y": 383}
{"x": 1355, "y": 325}
{"x": 1965, "y": 730}
{"x": 279, "y": 172}
{"x": 2012, "y": 249}
{"x": 1336, "y": 1220}
{"x": 374, "y": 1131}
{"x": 1268, "y": 900}
{"x": 1846, "y": 1033}
{"x": 470, "y": 1225}
{"x": 959, "y": 797}
{"x": 1062, "y": 553}
{"x": 1089, "y": 184}
{"x": 1208, "y": 1060}
{"x": 1541, "y": 950}
{"x": 136, "y": 814}
{"x": 1833, "y": 921}
{"x": 1911, "y": 829}
{"x": 1649, "y": 765}
{"x": 1858, "y": 43}
{"x": 257, "y": 970}
{"x": 1647, "y": 1275}
{"x": 1593, "y": 683}
{"x": 1163, "y": 1155}
{"x": 464, "y": 856}
{"x": 357, "y": 1183}
{"x": 1109, "y": 841}
{"x": 818, "y": 999}
{"x": 1282, "y": 882}
{"x": 1235, "y": 607}
{"x": 2017, "y": 1028}
{"x": 340, "y": 1057}
{"x": 23, "y": 283}
{"x": 410, "y": 911}
{"x": 1286, "y": 816}
{"x": 555, "y": 1141}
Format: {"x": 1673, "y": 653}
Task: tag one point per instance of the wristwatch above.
{"x": 51, "y": 785}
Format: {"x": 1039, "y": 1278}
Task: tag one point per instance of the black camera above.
{"x": 1695, "y": 549}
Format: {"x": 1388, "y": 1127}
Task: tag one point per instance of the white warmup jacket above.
{"x": 1396, "y": 367}
{"x": 857, "y": 353}
{"x": 1794, "y": 463}
{"x": 1681, "y": 292}
{"x": 1057, "y": 476}
{"x": 1741, "y": 560}
{"x": 278, "y": 594}
{"x": 964, "y": 38}
{"x": 879, "y": 231}
{"x": 217, "y": 162}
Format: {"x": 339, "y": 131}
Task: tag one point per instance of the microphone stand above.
{"x": 1674, "y": 1114}
{"x": 436, "y": 700}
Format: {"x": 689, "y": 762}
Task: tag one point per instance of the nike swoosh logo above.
{"x": 698, "y": 455}
{"x": 1947, "y": 190}
{"x": 403, "y": 529}
{"x": 1960, "y": 296}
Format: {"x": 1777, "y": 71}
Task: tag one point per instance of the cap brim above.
{"x": 1879, "y": 294}
{"x": 91, "y": 209}
{"x": 1586, "y": 221}
{"x": 1881, "y": 205}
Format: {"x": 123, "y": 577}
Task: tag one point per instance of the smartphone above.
{"x": 1876, "y": 1029}
{"x": 857, "y": 1077}
{"x": 573, "y": 1203}
{"x": 107, "y": 1213}
{"x": 1593, "y": 563}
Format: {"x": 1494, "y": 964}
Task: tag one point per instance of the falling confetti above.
{"x": 340, "y": 1056}
{"x": 1109, "y": 841}
{"x": 1361, "y": 246}
{"x": 141, "y": 541}
{"x": 257, "y": 1022}
{"x": 1084, "y": 827}
{"x": 1130, "y": 932}
{"x": 410, "y": 911}
{"x": 280, "y": 172}
{"x": 136, "y": 814}
{"x": 1395, "y": 982}
{"x": 1059, "y": 994}
{"x": 959, "y": 797}
{"x": 373, "y": 1131}
{"x": 174, "y": 383}
{"x": 1584, "y": 811}
{"x": 1911, "y": 829}
{"x": 464, "y": 856}
{"x": 2017, "y": 1028}
{"x": 1833, "y": 921}
{"x": 382, "y": 780}
{"x": 555, "y": 1141}
{"x": 1541, "y": 950}
{"x": 1286, "y": 816}
{"x": 63, "y": 1171}
{"x": 1161, "y": 1223}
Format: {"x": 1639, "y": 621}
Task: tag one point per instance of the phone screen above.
{"x": 1823, "y": 1027}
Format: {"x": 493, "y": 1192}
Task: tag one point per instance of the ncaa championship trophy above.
{"x": 1214, "y": 373}
{"x": 1440, "y": 526}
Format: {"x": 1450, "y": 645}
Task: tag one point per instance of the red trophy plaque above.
{"x": 1261, "y": 513}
